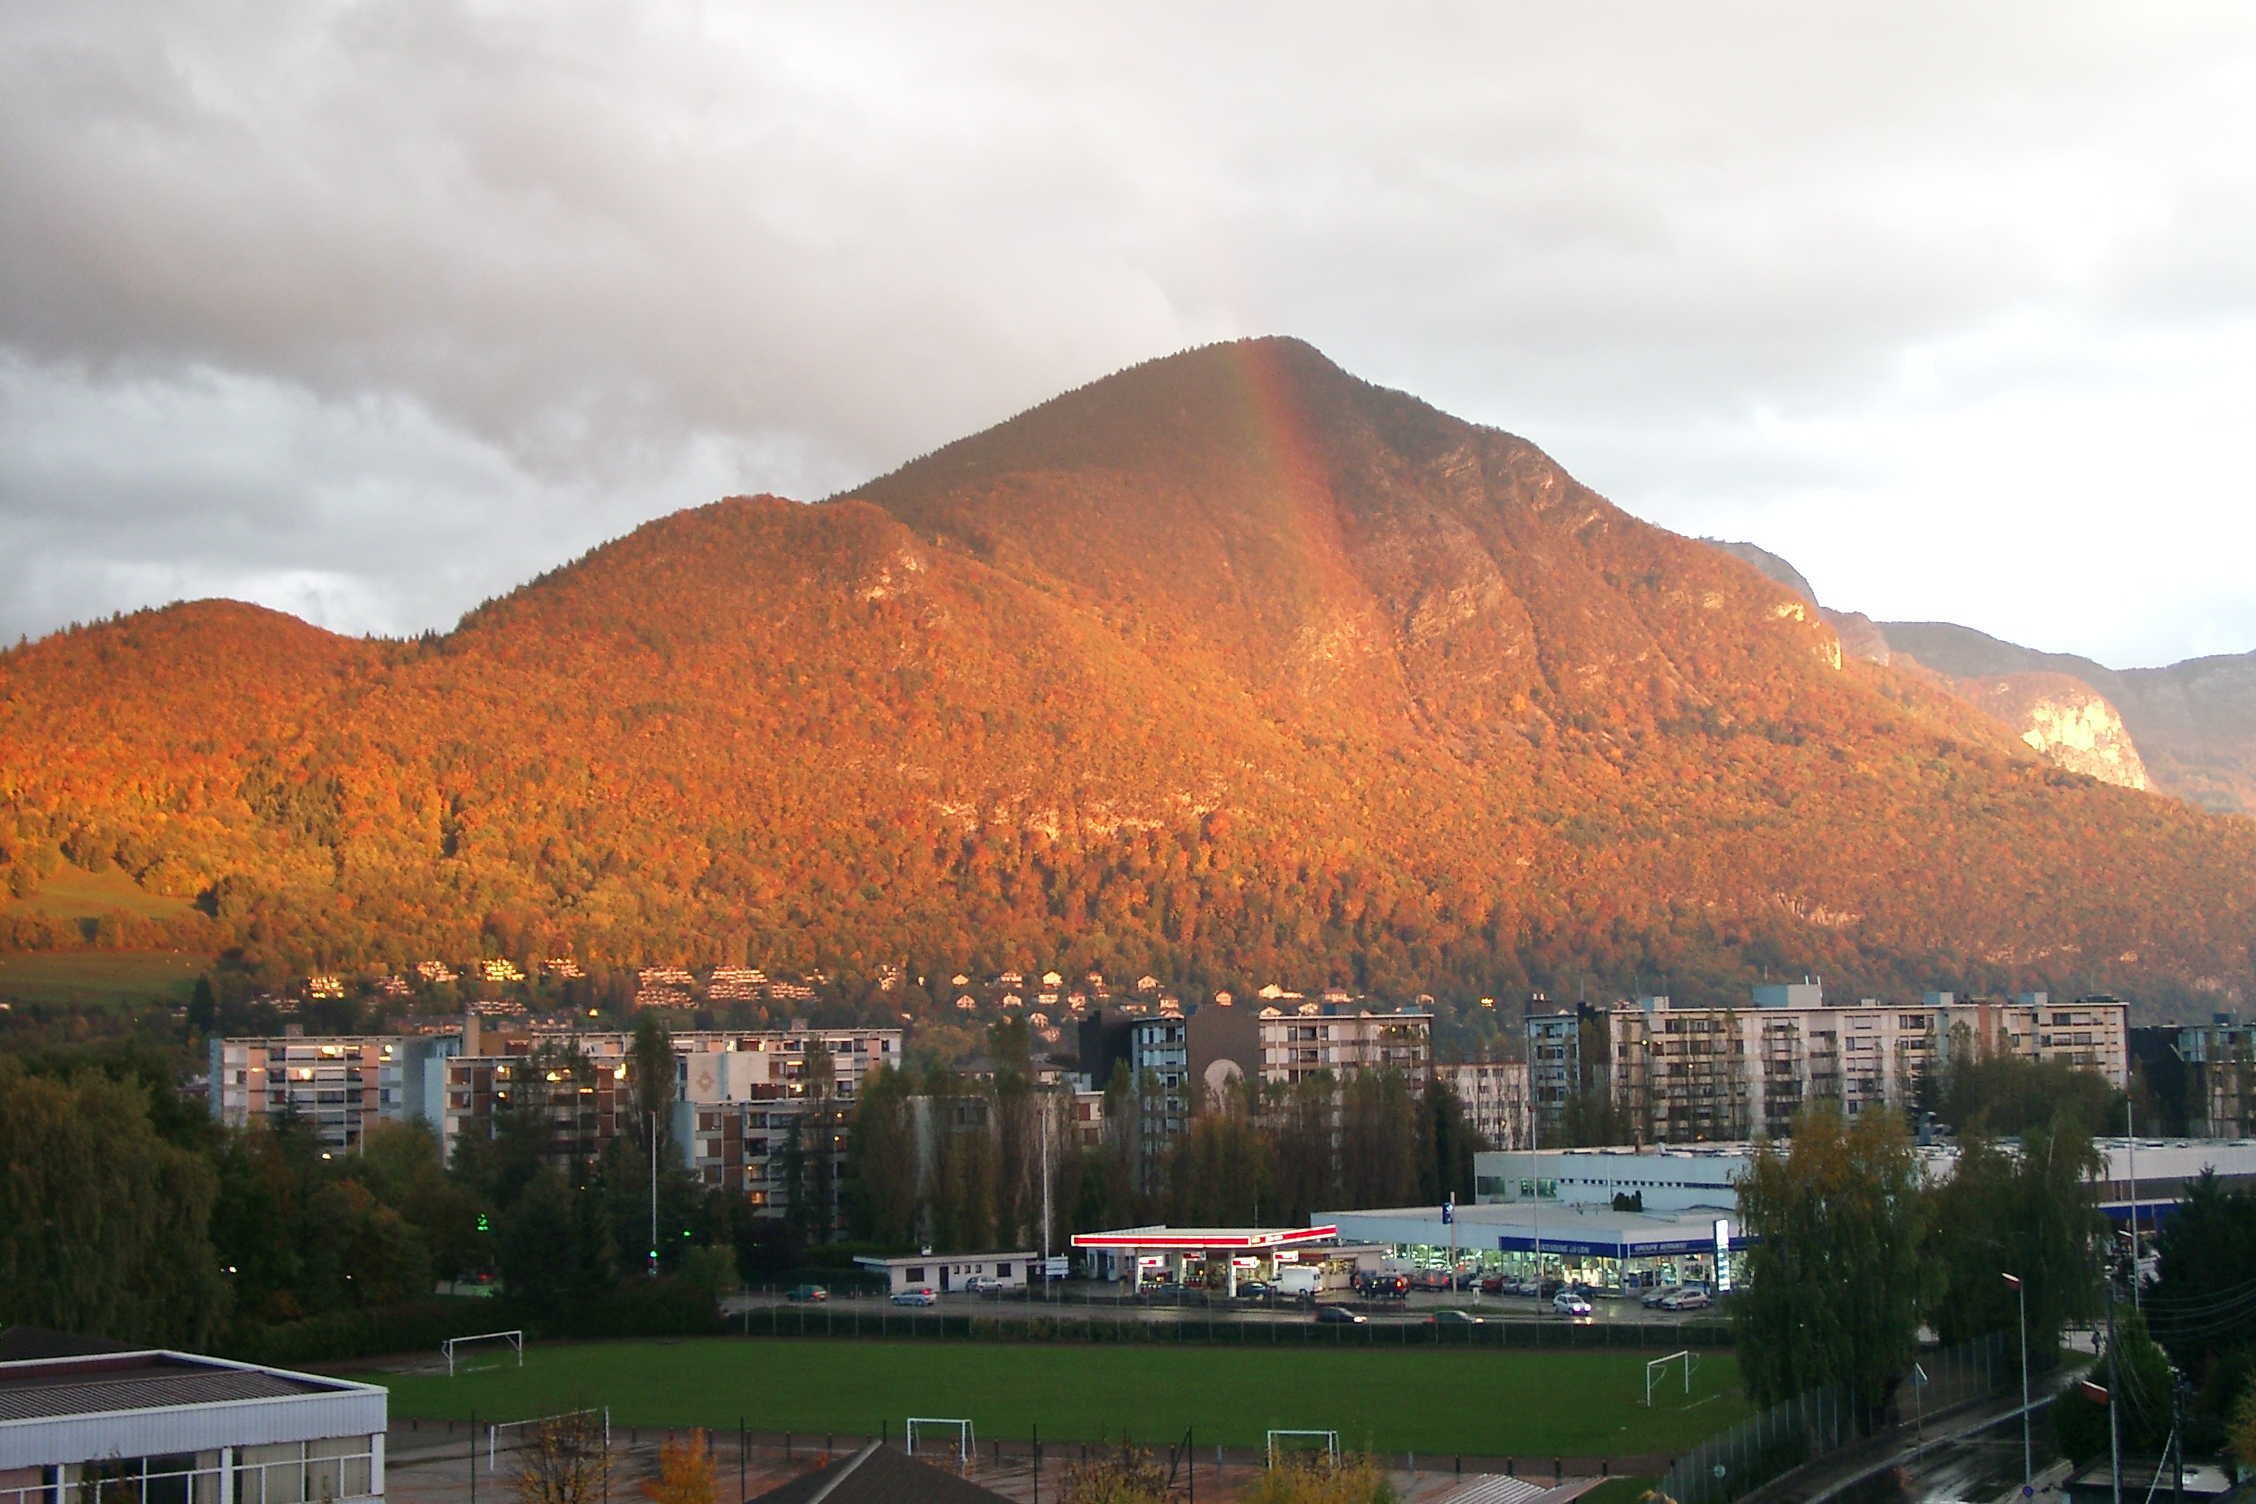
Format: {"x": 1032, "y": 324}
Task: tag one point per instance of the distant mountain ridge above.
{"x": 1230, "y": 668}
{"x": 2195, "y": 721}
{"x": 2189, "y": 728}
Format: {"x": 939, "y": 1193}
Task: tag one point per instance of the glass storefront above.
{"x": 1571, "y": 1262}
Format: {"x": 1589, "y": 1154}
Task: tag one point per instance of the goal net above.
{"x": 964, "y": 1440}
{"x": 1290, "y": 1444}
{"x": 583, "y": 1427}
{"x": 1657, "y": 1372}
{"x": 455, "y": 1347}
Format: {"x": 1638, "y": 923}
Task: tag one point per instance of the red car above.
{"x": 1492, "y": 1284}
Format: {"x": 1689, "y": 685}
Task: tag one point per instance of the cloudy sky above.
{"x": 369, "y": 309}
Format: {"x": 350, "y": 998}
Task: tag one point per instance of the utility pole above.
{"x": 2028, "y": 1467}
{"x": 2177, "y": 1442}
{"x": 2130, "y": 1139}
{"x": 2114, "y": 1433}
{"x": 653, "y": 1117}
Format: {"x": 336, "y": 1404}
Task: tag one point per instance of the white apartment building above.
{"x": 1682, "y": 1074}
{"x": 1314, "y": 1038}
{"x": 340, "y": 1086}
{"x": 1495, "y": 1094}
{"x": 585, "y": 1081}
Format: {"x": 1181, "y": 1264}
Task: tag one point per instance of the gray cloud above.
{"x": 371, "y": 310}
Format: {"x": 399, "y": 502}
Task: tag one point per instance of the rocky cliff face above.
{"x": 2194, "y": 722}
{"x": 2065, "y": 720}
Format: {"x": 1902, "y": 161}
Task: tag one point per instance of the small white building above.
{"x": 160, "y": 1427}
{"x": 944, "y": 1272}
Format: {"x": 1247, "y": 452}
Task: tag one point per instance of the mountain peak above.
{"x": 1343, "y": 544}
{"x": 1231, "y": 668}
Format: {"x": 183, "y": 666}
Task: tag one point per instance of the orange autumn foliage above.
{"x": 1230, "y": 668}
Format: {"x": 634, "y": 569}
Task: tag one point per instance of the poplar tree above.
{"x": 881, "y": 1161}
{"x": 103, "y": 1225}
{"x": 1835, "y": 1278}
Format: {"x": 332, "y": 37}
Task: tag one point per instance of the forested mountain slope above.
{"x": 1229, "y": 667}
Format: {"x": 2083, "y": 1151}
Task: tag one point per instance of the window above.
{"x": 1002, "y": 1271}
{"x": 915, "y": 1275}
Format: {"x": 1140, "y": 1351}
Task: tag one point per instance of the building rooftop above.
{"x": 1163, "y": 1236}
{"x": 53, "y": 1388}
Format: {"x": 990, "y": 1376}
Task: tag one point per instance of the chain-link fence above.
{"x": 1133, "y": 1327}
{"x": 1736, "y": 1462}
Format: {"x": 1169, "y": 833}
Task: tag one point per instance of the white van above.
{"x": 1299, "y": 1279}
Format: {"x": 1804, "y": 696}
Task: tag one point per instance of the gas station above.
{"x": 1215, "y": 1258}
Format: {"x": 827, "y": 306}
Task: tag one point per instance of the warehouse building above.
{"x": 158, "y": 1427}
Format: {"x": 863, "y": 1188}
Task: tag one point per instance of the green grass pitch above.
{"x": 1438, "y": 1400}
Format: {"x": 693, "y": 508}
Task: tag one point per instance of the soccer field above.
{"x": 1438, "y": 1400}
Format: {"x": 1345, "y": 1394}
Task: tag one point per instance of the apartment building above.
{"x": 2220, "y": 1070}
{"x": 340, "y": 1086}
{"x": 743, "y": 1100}
{"x": 1325, "y": 1037}
{"x": 1556, "y": 1065}
{"x": 582, "y": 1081}
{"x": 1682, "y": 1074}
{"x": 1495, "y": 1094}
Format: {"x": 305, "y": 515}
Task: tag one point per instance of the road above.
{"x": 1082, "y": 1299}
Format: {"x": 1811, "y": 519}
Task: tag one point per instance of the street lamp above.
{"x": 2021, "y": 1297}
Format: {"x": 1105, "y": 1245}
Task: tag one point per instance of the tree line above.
{"x": 1854, "y": 1249}
{"x": 938, "y": 1159}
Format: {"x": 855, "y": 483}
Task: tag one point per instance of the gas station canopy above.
{"x": 1164, "y": 1239}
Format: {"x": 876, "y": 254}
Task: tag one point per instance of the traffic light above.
{"x": 483, "y": 1226}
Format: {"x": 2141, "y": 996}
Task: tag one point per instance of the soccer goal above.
{"x": 1657, "y": 1370}
{"x": 494, "y": 1432}
{"x": 454, "y": 1345}
{"x": 965, "y": 1441}
{"x": 1286, "y": 1443}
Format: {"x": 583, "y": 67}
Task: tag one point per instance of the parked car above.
{"x": 1252, "y": 1289}
{"x": 1431, "y": 1279}
{"x": 1689, "y": 1298}
{"x": 921, "y": 1295}
{"x": 1567, "y": 1303}
{"x": 1455, "y": 1318}
{"x": 1373, "y": 1284}
{"x": 983, "y": 1284}
{"x": 1493, "y": 1284}
{"x": 806, "y": 1292}
{"x": 1468, "y": 1279}
{"x": 1656, "y": 1295}
{"x": 1340, "y": 1315}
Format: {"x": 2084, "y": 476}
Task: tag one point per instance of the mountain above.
{"x": 1229, "y": 667}
{"x": 2065, "y": 719}
{"x": 2195, "y": 722}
